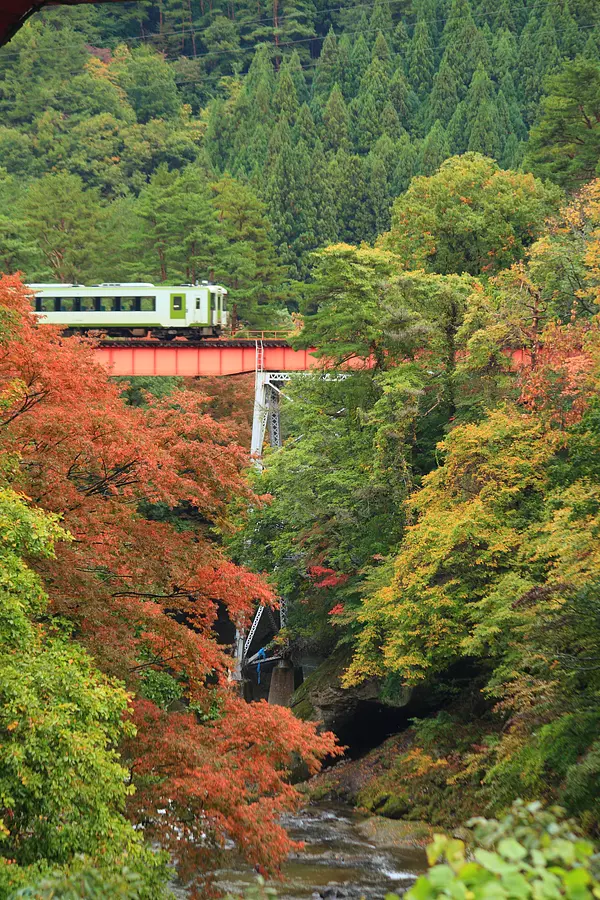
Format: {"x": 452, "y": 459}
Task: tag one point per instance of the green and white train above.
{"x": 137, "y": 309}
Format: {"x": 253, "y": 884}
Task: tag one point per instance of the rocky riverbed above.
{"x": 345, "y": 857}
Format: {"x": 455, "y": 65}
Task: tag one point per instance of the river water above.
{"x": 336, "y": 862}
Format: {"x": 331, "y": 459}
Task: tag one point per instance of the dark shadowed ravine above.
{"x": 337, "y": 861}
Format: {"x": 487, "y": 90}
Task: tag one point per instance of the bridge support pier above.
{"x": 267, "y": 392}
{"x": 282, "y": 683}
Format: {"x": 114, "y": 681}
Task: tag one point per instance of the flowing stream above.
{"x": 336, "y": 862}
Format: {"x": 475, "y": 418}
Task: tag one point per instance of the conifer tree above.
{"x": 381, "y": 51}
{"x": 279, "y": 136}
{"x": 401, "y": 44}
{"x": 336, "y": 122}
{"x": 285, "y": 101}
{"x": 293, "y": 27}
{"x": 444, "y": 95}
{"x": 294, "y": 65}
{"x": 345, "y": 66}
{"x": 504, "y": 55}
{"x": 327, "y": 69}
{"x": 484, "y": 136}
{"x": 457, "y": 132}
{"x": 570, "y": 40}
{"x": 279, "y": 191}
{"x": 513, "y": 152}
{"x": 247, "y": 261}
{"x": 481, "y": 91}
{"x": 434, "y": 151}
{"x": 305, "y": 126}
{"x": 359, "y": 62}
{"x": 376, "y": 84}
{"x": 538, "y": 56}
{"x": 379, "y": 195}
{"x": 390, "y": 121}
{"x": 258, "y": 150}
{"x": 381, "y": 19}
{"x": 462, "y": 43}
{"x": 290, "y": 203}
{"x": 364, "y": 29}
{"x": 348, "y": 178}
{"x": 326, "y": 226}
{"x": 504, "y": 17}
{"x": 386, "y": 148}
{"x": 404, "y": 98}
{"x": 591, "y": 49}
{"x": 407, "y": 164}
{"x": 565, "y": 144}
{"x": 505, "y": 125}
{"x": 178, "y": 239}
{"x": 421, "y": 62}
{"x": 367, "y": 124}
{"x": 61, "y": 220}
{"x": 260, "y": 70}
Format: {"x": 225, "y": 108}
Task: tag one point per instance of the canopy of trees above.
{"x": 136, "y": 572}
{"x": 417, "y": 178}
{"x": 449, "y": 521}
{"x": 317, "y": 117}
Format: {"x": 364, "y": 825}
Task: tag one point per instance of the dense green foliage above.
{"x": 62, "y": 786}
{"x": 174, "y": 140}
{"x": 395, "y": 171}
{"x": 438, "y": 510}
{"x": 530, "y": 852}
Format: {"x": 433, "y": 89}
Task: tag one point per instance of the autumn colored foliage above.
{"x": 143, "y": 495}
{"x": 455, "y": 487}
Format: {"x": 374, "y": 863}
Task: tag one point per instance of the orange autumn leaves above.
{"x": 144, "y": 493}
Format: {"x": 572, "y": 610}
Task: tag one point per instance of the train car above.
{"x": 137, "y": 309}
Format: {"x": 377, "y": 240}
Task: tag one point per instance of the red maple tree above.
{"x": 144, "y": 493}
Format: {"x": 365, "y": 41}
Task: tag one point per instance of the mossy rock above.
{"x": 303, "y": 708}
{"x": 384, "y": 832}
{"x": 392, "y": 805}
{"x": 322, "y": 698}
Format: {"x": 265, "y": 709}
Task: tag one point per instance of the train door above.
{"x": 198, "y": 315}
{"x": 215, "y": 312}
{"x": 178, "y": 306}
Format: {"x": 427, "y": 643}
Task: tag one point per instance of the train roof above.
{"x": 110, "y": 285}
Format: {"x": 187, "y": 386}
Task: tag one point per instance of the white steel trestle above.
{"x": 267, "y": 393}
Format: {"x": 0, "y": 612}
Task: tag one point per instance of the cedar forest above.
{"x": 413, "y": 183}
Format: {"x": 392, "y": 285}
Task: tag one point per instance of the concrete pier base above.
{"x": 282, "y": 683}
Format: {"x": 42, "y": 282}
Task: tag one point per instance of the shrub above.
{"x": 531, "y": 852}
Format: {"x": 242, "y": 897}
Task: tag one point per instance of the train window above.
{"x": 105, "y": 304}
{"x": 69, "y": 304}
{"x": 177, "y": 303}
{"x": 224, "y": 301}
{"x": 213, "y": 301}
{"x": 128, "y": 304}
{"x": 198, "y": 302}
{"x": 47, "y": 304}
{"x": 88, "y": 304}
{"x": 147, "y": 304}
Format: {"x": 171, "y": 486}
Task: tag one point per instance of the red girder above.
{"x": 203, "y": 358}
{"x": 218, "y": 357}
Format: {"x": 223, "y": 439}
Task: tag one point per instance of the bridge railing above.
{"x": 281, "y": 334}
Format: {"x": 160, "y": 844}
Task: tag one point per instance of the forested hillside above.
{"x": 176, "y": 140}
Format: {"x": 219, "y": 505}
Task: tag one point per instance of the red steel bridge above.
{"x": 207, "y": 357}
